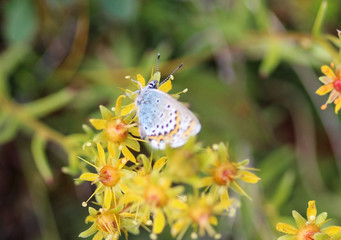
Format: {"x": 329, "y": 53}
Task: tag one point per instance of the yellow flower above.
{"x": 109, "y": 223}
{"x": 191, "y": 158}
{"x": 224, "y": 174}
{"x": 332, "y": 84}
{"x": 310, "y": 228}
{"x": 117, "y": 129}
{"x": 151, "y": 193}
{"x": 200, "y": 213}
{"x": 110, "y": 175}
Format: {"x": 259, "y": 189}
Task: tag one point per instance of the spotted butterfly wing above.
{"x": 163, "y": 120}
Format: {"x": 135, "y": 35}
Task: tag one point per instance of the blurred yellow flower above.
{"x": 118, "y": 130}
{"x": 199, "y": 212}
{"x": 224, "y": 174}
{"x": 332, "y": 85}
{"x": 151, "y": 193}
{"x": 109, "y": 223}
{"x": 309, "y": 228}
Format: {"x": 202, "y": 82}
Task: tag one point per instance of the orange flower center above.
{"x": 200, "y": 214}
{"x": 225, "y": 173}
{"x": 337, "y": 85}
{"x": 116, "y": 130}
{"x": 155, "y": 196}
{"x": 109, "y": 176}
{"x": 307, "y": 232}
{"x": 107, "y": 222}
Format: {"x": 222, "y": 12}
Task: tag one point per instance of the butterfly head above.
{"x": 152, "y": 85}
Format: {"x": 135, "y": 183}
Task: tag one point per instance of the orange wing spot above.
{"x": 177, "y": 125}
{"x": 189, "y": 129}
{"x": 158, "y": 138}
{"x": 168, "y": 137}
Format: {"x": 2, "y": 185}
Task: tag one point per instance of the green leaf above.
{"x": 319, "y": 19}
{"x": 271, "y": 59}
{"x": 39, "y": 156}
{"x": 50, "y": 103}
{"x": 20, "y": 21}
{"x": 8, "y": 127}
{"x": 284, "y": 189}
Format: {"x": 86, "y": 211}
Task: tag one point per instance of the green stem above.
{"x": 22, "y": 115}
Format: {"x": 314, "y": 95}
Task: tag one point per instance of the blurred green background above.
{"x": 251, "y": 67}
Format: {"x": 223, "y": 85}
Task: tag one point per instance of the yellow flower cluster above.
{"x": 134, "y": 190}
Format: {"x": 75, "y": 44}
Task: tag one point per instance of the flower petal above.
{"x": 135, "y": 131}
{"x": 311, "y": 211}
{"x": 114, "y": 153}
{"x": 159, "y": 164}
{"x": 118, "y": 105}
{"x": 286, "y": 228}
{"x": 326, "y": 80}
{"x": 328, "y": 71}
{"x": 237, "y": 188}
{"x": 213, "y": 220}
{"x": 177, "y": 204}
{"x": 338, "y": 105}
{"x": 178, "y": 226}
{"x": 92, "y": 211}
{"x": 141, "y": 80}
{"x": 166, "y": 86}
{"x": 159, "y": 221}
{"x": 321, "y": 219}
{"x": 106, "y": 113}
{"x": 333, "y": 96}
{"x": 321, "y": 236}
{"x": 331, "y": 230}
{"x": 90, "y": 231}
{"x": 133, "y": 144}
{"x": 101, "y": 154}
{"x": 130, "y": 198}
{"x": 325, "y": 89}
{"x": 107, "y": 197}
{"x": 126, "y": 152}
{"x": 98, "y": 236}
{"x": 206, "y": 181}
{"x": 88, "y": 177}
{"x": 300, "y": 221}
{"x": 287, "y": 237}
{"x": 249, "y": 177}
{"x": 99, "y": 124}
{"x": 127, "y": 109}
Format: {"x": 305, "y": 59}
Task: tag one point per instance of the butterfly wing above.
{"x": 165, "y": 121}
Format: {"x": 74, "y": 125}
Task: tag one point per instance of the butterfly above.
{"x": 162, "y": 119}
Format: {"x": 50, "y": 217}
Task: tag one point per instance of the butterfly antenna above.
{"x": 157, "y": 62}
{"x": 171, "y": 75}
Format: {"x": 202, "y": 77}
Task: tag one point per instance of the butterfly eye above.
{"x": 152, "y": 85}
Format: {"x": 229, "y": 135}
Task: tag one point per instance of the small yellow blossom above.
{"x": 152, "y": 194}
{"x": 332, "y": 85}
{"x": 191, "y": 158}
{"x": 224, "y": 174}
{"x": 310, "y": 228}
{"x": 110, "y": 175}
{"x": 118, "y": 130}
{"x": 109, "y": 223}
{"x": 200, "y": 213}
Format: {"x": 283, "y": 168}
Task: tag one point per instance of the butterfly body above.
{"x": 163, "y": 120}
